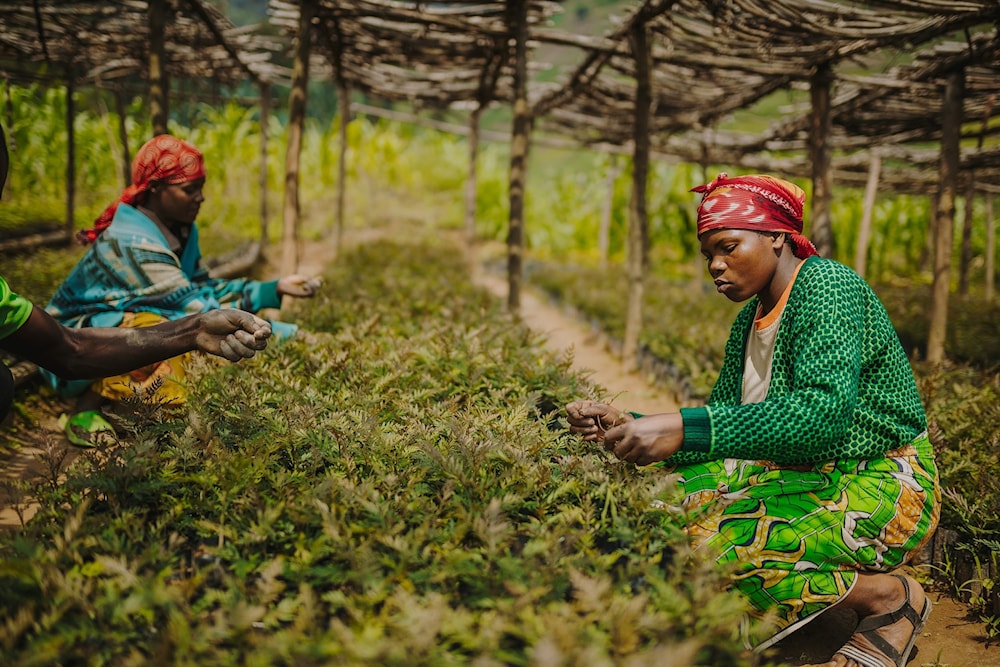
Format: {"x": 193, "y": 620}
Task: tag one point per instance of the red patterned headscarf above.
{"x": 162, "y": 158}
{"x": 756, "y": 202}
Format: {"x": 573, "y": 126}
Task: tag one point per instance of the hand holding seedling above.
{"x": 650, "y": 439}
{"x": 591, "y": 419}
{"x": 642, "y": 441}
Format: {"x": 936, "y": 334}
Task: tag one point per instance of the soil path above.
{"x": 563, "y": 334}
{"x": 950, "y": 639}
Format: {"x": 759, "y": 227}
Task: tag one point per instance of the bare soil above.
{"x": 951, "y": 638}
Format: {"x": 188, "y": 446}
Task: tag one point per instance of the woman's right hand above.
{"x": 300, "y": 286}
{"x": 590, "y": 419}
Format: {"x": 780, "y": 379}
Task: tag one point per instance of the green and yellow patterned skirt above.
{"x": 798, "y": 537}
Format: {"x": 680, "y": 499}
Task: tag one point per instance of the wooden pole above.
{"x": 344, "y": 103}
{"x": 296, "y": 121}
{"x": 951, "y": 125}
{"x": 965, "y": 263}
{"x": 70, "y": 154}
{"x": 864, "y": 232}
{"x": 521, "y": 129}
{"x": 607, "y": 209}
{"x": 638, "y": 227}
{"x": 965, "y": 250}
{"x": 471, "y": 182}
{"x": 265, "y": 112}
{"x": 991, "y": 248}
{"x": 821, "y": 231}
{"x": 159, "y": 83}
{"x": 123, "y": 136}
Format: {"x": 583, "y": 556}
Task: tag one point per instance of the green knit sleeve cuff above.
{"x": 697, "y": 430}
{"x": 264, "y": 294}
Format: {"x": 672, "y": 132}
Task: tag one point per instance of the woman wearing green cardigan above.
{"x": 809, "y": 469}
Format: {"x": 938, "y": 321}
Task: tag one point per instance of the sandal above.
{"x": 88, "y": 429}
{"x": 868, "y": 627}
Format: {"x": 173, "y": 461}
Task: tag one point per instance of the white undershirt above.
{"x": 757, "y": 367}
{"x": 760, "y": 347}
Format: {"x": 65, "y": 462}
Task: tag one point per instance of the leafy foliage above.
{"x": 393, "y": 487}
{"x": 685, "y": 324}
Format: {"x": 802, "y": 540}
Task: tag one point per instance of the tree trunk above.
{"x": 821, "y": 232}
{"x": 520, "y": 136}
{"x": 296, "y": 121}
{"x": 638, "y": 232}
{"x": 951, "y": 122}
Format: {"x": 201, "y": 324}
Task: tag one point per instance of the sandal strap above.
{"x": 870, "y": 624}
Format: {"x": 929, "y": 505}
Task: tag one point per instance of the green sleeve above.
{"x": 814, "y": 388}
{"x": 14, "y": 310}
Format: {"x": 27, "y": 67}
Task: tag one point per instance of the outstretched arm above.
{"x": 94, "y": 352}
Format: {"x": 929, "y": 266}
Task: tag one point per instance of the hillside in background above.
{"x": 244, "y": 12}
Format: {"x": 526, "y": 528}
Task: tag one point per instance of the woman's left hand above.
{"x": 646, "y": 440}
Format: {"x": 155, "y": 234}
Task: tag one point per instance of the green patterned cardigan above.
{"x": 841, "y": 384}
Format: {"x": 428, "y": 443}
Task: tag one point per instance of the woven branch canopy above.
{"x": 107, "y": 42}
{"x": 887, "y": 64}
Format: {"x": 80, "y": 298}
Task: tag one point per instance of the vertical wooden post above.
{"x": 265, "y": 113}
{"x": 638, "y": 226}
{"x": 520, "y": 132}
{"x": 70, "y": 154}
{"x": 159, "y": 83}
{"x": 965, "y": 263}
{"x": 123, "y": 136}
{"x": 821, "y": 231}
{"x": 951, "y": 122}
{"x": 344, "y": 102}
{"x": 864, "y": 232}
{"x": 471, "y": 182}
{"x": 9, "y": 109}
{"x": 607, "y": 209}
{"x": 965, "y": 250}
{"x": 991, "y": 248}
{"x": 296, "y": 121}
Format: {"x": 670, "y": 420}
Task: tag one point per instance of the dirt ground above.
{"x": 950, "y": 638}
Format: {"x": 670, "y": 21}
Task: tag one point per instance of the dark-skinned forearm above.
{"x": 94, "y": 352}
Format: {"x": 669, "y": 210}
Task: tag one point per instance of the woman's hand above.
{"x": 232, "y": 334}
{"x": 300, "y": 286}
{"x": 591, "y": 419}
{"x": 647, "y": 440}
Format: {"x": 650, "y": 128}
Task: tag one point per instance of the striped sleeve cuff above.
{"x": 697, "y": 430}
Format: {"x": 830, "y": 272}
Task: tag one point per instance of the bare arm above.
{"x": 94, "y": 352}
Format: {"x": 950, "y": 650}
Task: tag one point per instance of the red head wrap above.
{"x": 757, "y": 202}
{"x": 162, "y": 158}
